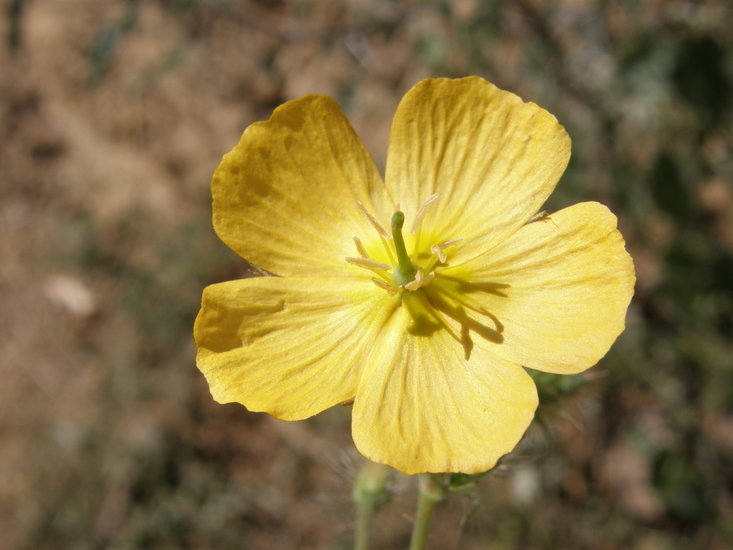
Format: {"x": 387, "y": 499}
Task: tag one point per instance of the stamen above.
{"x": 373, "y": 220}
{"x": 421, "y": 213}
{"x": 360, "y": 248}
{"x": 385, "y": 285}
{"x": 448, "y": 243}
{"x": 435, "y": 249}
{"x": 368, "y": 263}
{"x": 438, "y": 249}
{"x": 420, "y": 280}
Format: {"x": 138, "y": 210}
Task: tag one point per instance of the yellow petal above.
{"x": 423, "y": 407}
{"x": 285, "y": 196}
{"x": 290, "y": 347}
{"x": 559, "y": 289}
{"x": 492, "y": 159}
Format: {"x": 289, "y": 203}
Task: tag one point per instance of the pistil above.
{"x": 405, "y": 271}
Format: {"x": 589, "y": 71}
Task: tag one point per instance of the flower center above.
{"x": 401, "y": 271}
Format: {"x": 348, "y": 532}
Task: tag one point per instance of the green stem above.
{"x": 364, "y": 514}
{"x": 370, "y": 492}
{"x": 405, "y": 271}
{"x": 430, "y": 494}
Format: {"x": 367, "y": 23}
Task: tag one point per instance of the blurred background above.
{"x": 113, "y": 116}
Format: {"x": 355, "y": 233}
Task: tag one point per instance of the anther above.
{"x": 438, "y": 249}
{"x": 421, "y": 213}
{"x": 369, "y": 264}
{"x": 435, "y": 249}
{"x": 360, "y": 248}
{"x": 420, "y": 280}
{"x": 385, "y": 285}
{"x": 373, "y": 220}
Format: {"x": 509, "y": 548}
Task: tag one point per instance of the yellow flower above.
{"x": 426, "y": 327}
